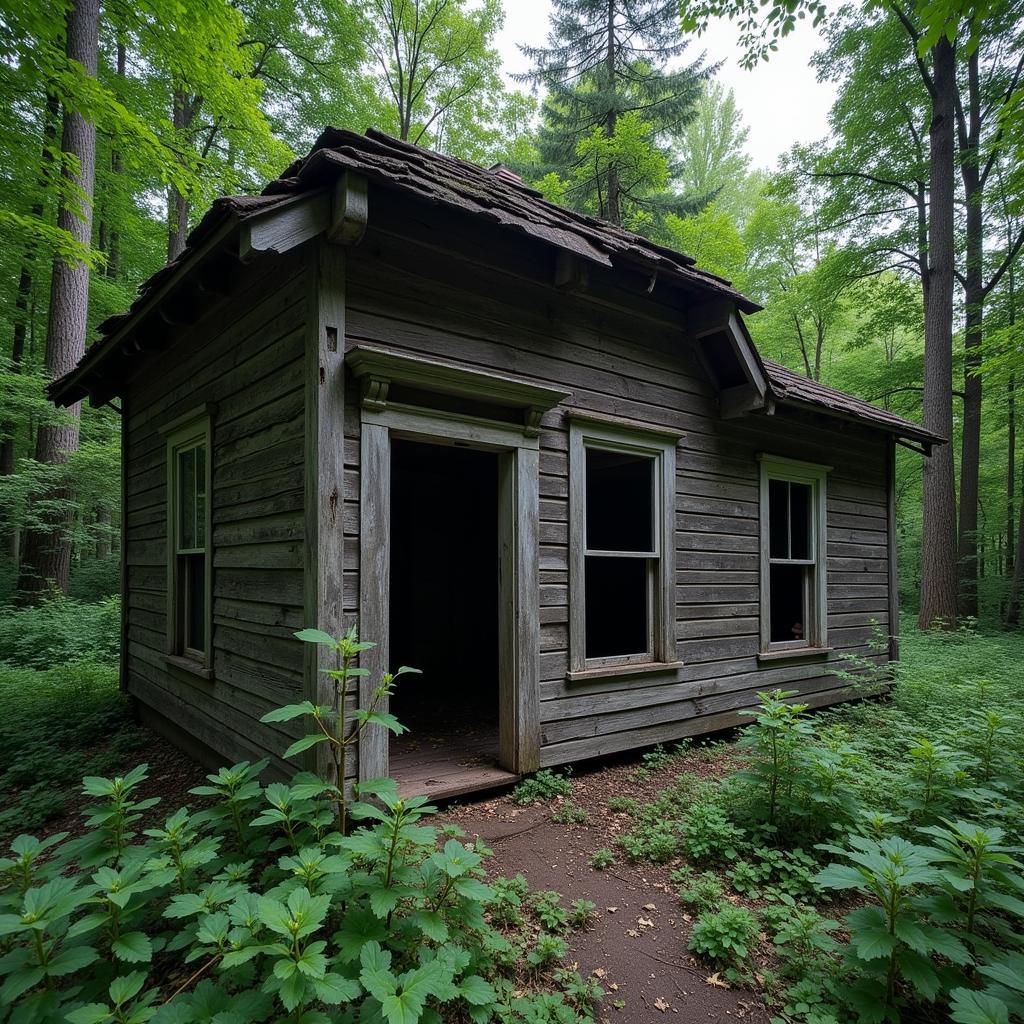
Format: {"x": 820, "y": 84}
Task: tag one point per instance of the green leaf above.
{"x": 91, "y": 1013}
{"x": 132, "y": 947}
{"x": 872, "y": 943}
{"x": 333, "y": 989}
{"x": 67, "y": 961}
{"x": 315, "y": 636}
{"x": 918, "y": 970}
{"x": 970, "y": 1007}
{"x": 290, "y": 711}
{"x": 383, "y": 901}
{"x": 126, "y": 986}
{"x": 305, "y": 743}
{"x": 476, "y": 990}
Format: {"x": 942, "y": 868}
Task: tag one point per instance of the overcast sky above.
{"x": 782, "y": 102}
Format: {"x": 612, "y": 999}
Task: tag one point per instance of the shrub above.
{"x": 568, "y": 813}
{"x": 289, "y": 917}
{"x": 702, "y": 893}
{"x": 95, "y": 579}
{"x": 601, "y": 859}
{"x": 657, "y": 843}
{"x": 60, "y": 632}
{"x": 548, "y": 909}
{"x": 727, "y": 935}
{"x": 708, "y": 833}
{"x": 543, "y": 786}
{"x": 623, "y": 804}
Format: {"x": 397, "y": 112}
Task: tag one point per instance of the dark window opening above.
{"x": 788, "y": 602}
{"x": 721, "y": 357}
{"x": 789, "y": 520}
{"x": 617, "y": 607}
{"x": 444, "y": 598}
{"x": 620, "y": 501}
{"x": 190, "y": 549}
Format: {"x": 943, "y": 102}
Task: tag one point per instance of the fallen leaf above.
{"x": 660, "y": 1004}
{"x": 650, "y": 906}
{"x": 611, "y": 910}
{"x": 716, "y": 980}
{"x": 633, "y": 933}
{"x": 600, "y": 972}
{"x": 644, "y": 923}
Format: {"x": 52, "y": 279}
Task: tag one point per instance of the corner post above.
{"x": 891, "y": 560}
{"x": 323, "y": 550}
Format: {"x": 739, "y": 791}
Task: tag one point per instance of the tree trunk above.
{"x": 974, "y": 297}
{"x": 1017, "y": 583}
{"x": 1011, "y": 469}
{"x": 939, "y": 542}
{"x": 177, "y": 204}
{"x": 614, "y": 210}
{"x": 46, "y": 558}
{"x": 116, "y": 168}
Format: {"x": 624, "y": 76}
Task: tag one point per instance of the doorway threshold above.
{"x": 441, "y": 770}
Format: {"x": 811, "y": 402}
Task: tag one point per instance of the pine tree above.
{"x": 605, "y": 72}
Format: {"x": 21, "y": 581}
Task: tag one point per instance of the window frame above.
{"x": 814, "y": 475}
{"x": 606, "y": 433}
{"x": 187, "y": 432}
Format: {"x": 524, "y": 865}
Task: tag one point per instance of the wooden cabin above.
{"x": 530, "y": 453}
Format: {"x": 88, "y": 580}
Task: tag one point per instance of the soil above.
{"x": 637, "y": 944}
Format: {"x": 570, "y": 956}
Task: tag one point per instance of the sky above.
{"x": 782, "y": 101}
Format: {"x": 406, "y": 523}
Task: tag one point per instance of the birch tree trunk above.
{"x": 46, "y": 555}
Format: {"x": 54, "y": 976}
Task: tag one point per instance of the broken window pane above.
{"x": 620, "y": 501}
{"x": 799, "y": 521}
{"x": 617, "y": 607}
{"x": 778, "y": 518}
{"x": 788, "y": 602}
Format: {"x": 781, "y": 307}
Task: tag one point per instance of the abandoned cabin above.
{"x": 528, "y": 452}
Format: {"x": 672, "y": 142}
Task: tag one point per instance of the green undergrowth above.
{"x": 906, "y": 807}
{"x": 270, "y": 901}
{"x": 56, "y": 726}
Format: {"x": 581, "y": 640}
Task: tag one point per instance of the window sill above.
{"x": 645, "y": 668}
{"x": 189, "y": 665}
{"x": 796, "y": 652}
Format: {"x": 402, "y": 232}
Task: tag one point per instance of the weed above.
{"x": 547, "y": 908}
{"x": 726, "y": 935}
{"x": 543, "y": 786}
{"x": 623, "y": 804}
{"x": 568, "y": 813}
{"x": 602, "y": 859}
{"x": 582, "y": 914}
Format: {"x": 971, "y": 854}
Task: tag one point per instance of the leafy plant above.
{"x": 623, "y": 804}
{"x": 656, "y": 842}
{"x": 581, "y": 915}
{"x": 601, "y": 859}
{"x": 332, "y": 722}
{"x": 568, "y": 813}
{"x": 709, "y": 835}
{"x": 702, "y": 892}
{"x": 543, "y": 786}
{"x": 547, "y": 908}
{"x": 727, "y": 935}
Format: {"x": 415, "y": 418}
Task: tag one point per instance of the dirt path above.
{"x": 637, "y": 944}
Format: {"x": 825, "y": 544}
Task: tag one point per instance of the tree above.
{"x": 47, "y": 552}
{"x": 605, "y": 72}
{"x": 432, "y": 59}
{"x": 710, "y": 155}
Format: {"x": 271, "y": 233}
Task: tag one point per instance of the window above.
{"x": 793, "y": 571}
{"x": 622, "y": 498}
{"x": 189, "y": 582}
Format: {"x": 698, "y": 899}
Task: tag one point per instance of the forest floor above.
{"x": 636, "y": 946}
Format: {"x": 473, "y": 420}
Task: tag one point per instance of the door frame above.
{"x": 518, "y": 451}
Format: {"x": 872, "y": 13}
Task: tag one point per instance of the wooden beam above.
{"x": 571, "y": 274}
{"x": 349, "y": 209}
{"x": 323, "y": 552}
{"x": 892, "y": 565}
{"x": 285, "y": 227}
{"x": 737, "y": 401}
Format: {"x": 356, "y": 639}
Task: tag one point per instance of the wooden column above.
{"x": 123, "y": 554}
{"x": 324, "y": 463}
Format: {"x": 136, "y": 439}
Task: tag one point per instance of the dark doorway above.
{"x": 444, "y": 615}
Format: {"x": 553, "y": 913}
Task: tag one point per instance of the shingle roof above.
{"x": 495, "y": 195}
{"x": 790, "y": 387}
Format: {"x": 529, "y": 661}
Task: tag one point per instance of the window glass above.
{"x": 617, "y": 607}
{"x": 200, "y": 488}
{"x": 620, "y": 501}
{"x": 187, "y": 498}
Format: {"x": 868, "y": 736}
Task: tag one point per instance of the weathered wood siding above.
{"x": 449, "y": 289}
{"x": 247, "y": 357}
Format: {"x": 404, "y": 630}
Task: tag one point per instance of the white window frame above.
{"x": 188, "y": 432}
{"x": 593, "y": 431}
{"x": 815, "y": 639}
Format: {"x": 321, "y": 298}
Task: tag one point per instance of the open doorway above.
{"x": 444, "y": 616}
